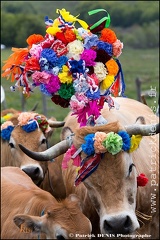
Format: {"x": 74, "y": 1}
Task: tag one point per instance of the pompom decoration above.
{"x": 113, "y": 143}
{"x": 135, "y": 140}
{"x": 6, "y": 130}
{"x": 126, "y": 140}
{"x": 68, "y": 61}
{"x": 142, "y": 180}
{"x": 31, "y": 126}
{"x": 88, "y": 146}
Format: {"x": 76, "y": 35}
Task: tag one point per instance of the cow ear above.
{"x": 28, "y": 224}
{"x": 74, "y": 198}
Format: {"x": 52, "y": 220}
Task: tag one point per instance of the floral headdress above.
{"x": 76, "y": 67}
{"x": 28, "y": 121}
{"x": 95, "y": 145}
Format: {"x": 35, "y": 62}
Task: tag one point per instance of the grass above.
{"x": 136, "y": 63}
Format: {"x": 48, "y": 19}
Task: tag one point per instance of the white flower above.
{"x": 100, "y": 71}
{"x": 75, "y": 48}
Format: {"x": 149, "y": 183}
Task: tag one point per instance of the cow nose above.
{"x": 34, "y": 173}
{"x": 118, "y": 224}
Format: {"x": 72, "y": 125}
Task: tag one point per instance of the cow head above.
{"x": 110, "y": 177}
{"x": 31, "y": 130}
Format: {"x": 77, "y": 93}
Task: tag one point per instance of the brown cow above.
{"x": 112, "y": 187}
{"x": 36, "y": 212}
{"x": 36, "y": 140}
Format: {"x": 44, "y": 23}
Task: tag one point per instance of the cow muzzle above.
{"x": 119, "y": 224}
{"x": 35, "y": 173}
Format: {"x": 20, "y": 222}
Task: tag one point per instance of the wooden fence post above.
{"x": 138, "y": 87}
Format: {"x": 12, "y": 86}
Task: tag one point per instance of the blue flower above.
{"x": 50, "y": 55}
{"x": 88, "y": 146}
{"x": 90, "y": 41}
{"x": 94, "y": 95}
{"x": 126, "y": 140}
{"x": 105, "y": 46}
{"x": 44, "y": 90}
{"x": 44, "y": 64}
{"x": 6, "y": 133}
{"x": 30, "y": 127}
{"x": 62, "y": 61}
{"x": 77, "y": 66}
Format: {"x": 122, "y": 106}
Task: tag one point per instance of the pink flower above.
{"x": 41, "y": 77}
{"x": 78, "y": 102}
{"x": 24, "y": 117}
{"x": 36, "y": 50}
{"x": 117, "y": 48}
{"x": 98, "y": 139}
{"x": 6, "y": 124}
{"x": 68, "y": 155}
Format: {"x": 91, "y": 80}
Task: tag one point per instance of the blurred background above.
{"x": 136, "y": 24}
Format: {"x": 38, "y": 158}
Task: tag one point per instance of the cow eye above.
{"x": 130, "y": 168}
{"x": 11, "y": 145}
{"x": 44, "y": 141}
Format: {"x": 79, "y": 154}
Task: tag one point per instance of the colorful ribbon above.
{"x": 107, "y": 18}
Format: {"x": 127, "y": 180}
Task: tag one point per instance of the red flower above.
{"x": 60, "y": 101}
{"x": 142, "y": 180}
{"x": 60, "y": 36}
{"x": 32, "y": 64}
{"x": 59, "y": 48}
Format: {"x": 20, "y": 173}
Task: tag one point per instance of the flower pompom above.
{"x": 70, "y": 36}
{"x": 112, "y": 67}
{"x": 53, "y": 84}
{"x": 88, "y": 55}
{"x": 65, "y": 76}
{"x": 41, "y": 77}
{"x": 98, "y": 139}
{"x": 135, "y": 140}
{"x": 107, "y": 82}
{"x": 30, "y": 126}
{"x": 107, "y": 35}
{"x": 6, "y": 130}
{"x": 142, "y": 180}
{"x": 68, "y": 155}
{"x": 66, "y": 90}
{"x": 126, "y": 140}
{"x": 75, "y": 48}
{"x": 60, "y": 101}
{"x": 100, "y": 71}
{"x": 34, "y": 38}
{"x": 113, "y": 143}
{"x": 117, "y": 48}
{"x": 24, "y": 117}
{"x": 88, "y": 146}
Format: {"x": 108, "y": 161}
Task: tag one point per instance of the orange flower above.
{"x": 112, "y": 67}
{"x": 34, "y": 38}
{"x": 107, "y": 35}
{"x": 15, "y": 59}
{"x": 70, "y": 35}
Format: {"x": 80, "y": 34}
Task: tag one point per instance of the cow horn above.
{"x": 144, "y": 130}
{"x": 50, "y": 153}
{"x": 55, "y": 124}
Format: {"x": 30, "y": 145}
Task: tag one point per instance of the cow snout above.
{"x": 35, "y": 173}
{"x": 118, "y": 224}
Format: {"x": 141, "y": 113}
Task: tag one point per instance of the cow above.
{"x": 37, "y": 140}
{"x": 112, "y": 191}
{"x": 28, "y": 212}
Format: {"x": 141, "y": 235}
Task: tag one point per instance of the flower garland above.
{"x": 76, "y": 67}
{"x": 6, "y": 117}
{"x": 28, "y": 121}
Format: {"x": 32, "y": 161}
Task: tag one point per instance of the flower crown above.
{"x": 76, "y": 67}
{"x": 97, "y": 144}
{"x": 28, "y": 121}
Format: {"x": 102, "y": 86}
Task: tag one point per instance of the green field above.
{"x": 136, "y": 63}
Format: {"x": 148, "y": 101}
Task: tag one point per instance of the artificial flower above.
{"x": 30, "y": 126}
{"x": 34, "y": 38}
{"x": 107, "y": 47}
{"x": 100, "y": 71}
{"x": 50, "y": 55}
{"x": 88, "y": 55}
{"x": 41, "y": 77}
{"x": 107, "y": 82}
{"x": 65, "y": 76}
{"x": 108, "y": 35}
{"x": 102, "y": 56}
{"x": 70, "y": 35}
{"x": 88, "y": 146}
{"x": 24, "y": 117}
{"x": 135, "y": 140}
{"x": 113, "y": 143}
{"x": 66, "y": 90}
{"x": 99, "y": 137}
{"x": 112, "y": 67}
{"x": 142, "y": 180}
{"x": 36, "y": 50}
{"x": 32, "y": 64}
{"x": 117, "y": 48}
{"x": 6, "y": 124}
{"x": 126, "y": 140}
{"x": 75, "y": 48}
{"x": 59, "y": 48}
{"x": 53, "y": 85}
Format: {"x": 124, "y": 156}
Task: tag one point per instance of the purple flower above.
{"x": 88, "y": 55}
{"x": 53, "y": 85}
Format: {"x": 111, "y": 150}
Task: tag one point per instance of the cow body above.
{"x": 36, "y": 212}
{"x": 112, "y": 189}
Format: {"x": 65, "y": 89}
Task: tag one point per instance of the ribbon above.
{"x": 107, "y": 18}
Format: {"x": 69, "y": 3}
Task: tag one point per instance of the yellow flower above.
{"x": 54, "y": 29}
{"x": 135, "y": 140}
{"x": 106, "y": 83}
{"x": 65, "y": 76}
